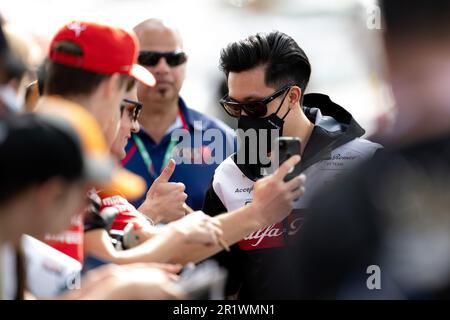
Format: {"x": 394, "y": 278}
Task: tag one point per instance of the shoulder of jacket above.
{"x": 360, "y": 146}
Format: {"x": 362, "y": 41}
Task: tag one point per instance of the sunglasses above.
{"x": 255, "y": 109}
{"x": 133, "y": 107}
{"x": 151, "y": 58}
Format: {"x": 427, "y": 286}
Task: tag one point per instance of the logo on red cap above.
{"x": 77, "y": 28}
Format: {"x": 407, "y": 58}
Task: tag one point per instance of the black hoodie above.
{"x": 258, "y": 266}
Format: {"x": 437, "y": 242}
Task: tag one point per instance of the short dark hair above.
{"x": 21, "y": 167}
{"x": 286, "y": 62}
{"x": 60, "y": 79}
{"x": 412, "y": 18}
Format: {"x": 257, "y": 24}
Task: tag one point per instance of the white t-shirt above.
{"x": 48, "y": 270}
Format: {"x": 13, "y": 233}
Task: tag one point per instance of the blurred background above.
{"x": 340, "y": 37}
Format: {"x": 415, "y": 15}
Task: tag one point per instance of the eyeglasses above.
{"x": 151, "y": 58}
{"x": 133, "y": 108}
{"x": 254, "y": 109}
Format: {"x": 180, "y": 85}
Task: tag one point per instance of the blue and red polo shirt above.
{"x": 196, "y": 150}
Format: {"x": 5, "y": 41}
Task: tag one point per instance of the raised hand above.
{"x": 164, "y": 200}
{"x": 273, "y": 198}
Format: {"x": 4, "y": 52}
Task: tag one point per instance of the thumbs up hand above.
{"x": 164, "y": 200}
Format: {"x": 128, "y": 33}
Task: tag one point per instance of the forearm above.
{"x": 235, "y": 226}
{"x": 169, "y": 246}
{"x": 157, "y": 249}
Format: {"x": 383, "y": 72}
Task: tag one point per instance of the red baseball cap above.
{"x": 105, "y": 50}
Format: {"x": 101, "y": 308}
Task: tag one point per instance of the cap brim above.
{"x": 143, "y": 75}
{"x": 124, "y": 183}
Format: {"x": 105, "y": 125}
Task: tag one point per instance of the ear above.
{"x": 294, "y": 95}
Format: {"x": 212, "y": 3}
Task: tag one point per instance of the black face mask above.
{"x": 267, "y": 129}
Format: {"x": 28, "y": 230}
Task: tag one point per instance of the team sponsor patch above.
{"x": 275, "y": 235}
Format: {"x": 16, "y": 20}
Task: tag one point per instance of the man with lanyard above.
{"x": 267, "y": 75}
{"x": 164, "y": 111}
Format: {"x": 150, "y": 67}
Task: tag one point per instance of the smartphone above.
{"x": 288, "y": 147}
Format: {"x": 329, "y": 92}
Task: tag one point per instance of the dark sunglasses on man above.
{"x": 254, "y": 109}
{"x": 133, "y": 108}
{"x": 151, "y": 58}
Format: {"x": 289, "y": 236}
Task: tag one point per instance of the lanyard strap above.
{"x": 167, "y": 155}
{"x": 146, "y": 156}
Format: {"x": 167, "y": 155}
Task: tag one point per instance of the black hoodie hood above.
{"x": 333, "y": 127}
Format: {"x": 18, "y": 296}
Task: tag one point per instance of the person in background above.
{"x": 386, "y": 233}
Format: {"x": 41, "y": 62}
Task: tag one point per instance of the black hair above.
{"x": 410, "y": 18}
{"x": 65, "y": 80}
{"x": 33, "y": 149}
{"x": 286, "y": 63}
